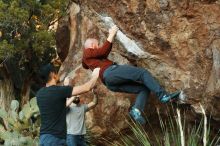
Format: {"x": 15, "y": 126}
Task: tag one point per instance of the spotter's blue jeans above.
{"x": 75, "y": 140}
{"x": 50, "y": 140}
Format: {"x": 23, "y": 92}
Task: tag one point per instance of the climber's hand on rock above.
{"x": 113, "y": 30}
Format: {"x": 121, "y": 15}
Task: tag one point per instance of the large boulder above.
{"x": 177, "y": 41}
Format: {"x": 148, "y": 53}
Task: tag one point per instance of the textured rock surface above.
{"x": 177, "y": 41}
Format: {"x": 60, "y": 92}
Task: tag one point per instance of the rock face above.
{"x": 177, "y": 41}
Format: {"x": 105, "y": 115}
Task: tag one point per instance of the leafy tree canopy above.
{"x": 25, "y": 37}
{"x": 24, "y": 26}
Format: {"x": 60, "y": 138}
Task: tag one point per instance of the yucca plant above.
{"x": 133, "y": 139}
{"x": 90, "y": 137}
{"x": 174, "y": 130}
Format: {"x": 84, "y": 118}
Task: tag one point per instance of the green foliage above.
{"x": 26, "y": 41}
{"x": 6, "y": 47}
{"x": 28, "y": 21}
{"x": 170, "y": 132}
{"x": 138, "y": 136}
{"x": 25, "y": 37}
{"x": 18, "y": 128}
{"x": 44, "y": 38}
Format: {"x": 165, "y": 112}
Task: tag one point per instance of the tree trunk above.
{"x": 6, "y": 93}
{"x": 25, "y": 92}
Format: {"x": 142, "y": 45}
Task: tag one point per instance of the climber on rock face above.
{"x": 123, "y": 78}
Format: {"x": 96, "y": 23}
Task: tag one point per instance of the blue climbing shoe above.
{"x": 136, "y": 115}
{"x": 168, "y": 97}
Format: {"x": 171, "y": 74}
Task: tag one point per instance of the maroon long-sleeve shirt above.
{"x": 93, "y": 58}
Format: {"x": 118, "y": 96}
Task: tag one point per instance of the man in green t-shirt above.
{"x": 51, "y": 101}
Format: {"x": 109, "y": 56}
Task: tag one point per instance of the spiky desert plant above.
{"x": 20, "y": 128}
{"x": 174, "y": 131}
